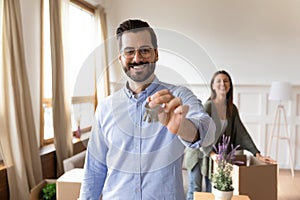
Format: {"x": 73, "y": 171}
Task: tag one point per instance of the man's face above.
{"x": 137, "y": 55}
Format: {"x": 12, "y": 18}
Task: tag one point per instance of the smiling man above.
{"x": 140, "y": 132}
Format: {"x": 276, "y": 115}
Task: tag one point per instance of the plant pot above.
{"x": 222, "y": 195}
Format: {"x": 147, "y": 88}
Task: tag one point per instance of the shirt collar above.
{"x": 144, "y": 94}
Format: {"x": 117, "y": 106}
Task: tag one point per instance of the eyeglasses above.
{"x": 144, "y": 51}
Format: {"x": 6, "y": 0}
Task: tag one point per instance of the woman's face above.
{"x": 221, "y": 84}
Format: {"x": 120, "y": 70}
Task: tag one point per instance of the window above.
{"x": 82, "y": 31}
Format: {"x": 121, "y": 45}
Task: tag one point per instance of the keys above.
{"x": 151, "y": 114}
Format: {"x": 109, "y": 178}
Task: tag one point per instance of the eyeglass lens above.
{"x": 144, "y": 51}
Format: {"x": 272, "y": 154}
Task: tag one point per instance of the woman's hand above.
{"x": 265, "y": 159}
{"x": 213, "y": 156}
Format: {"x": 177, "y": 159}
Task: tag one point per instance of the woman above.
{"x": 227, "y": 120}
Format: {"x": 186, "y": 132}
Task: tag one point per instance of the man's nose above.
{"x": 137, "y": 57}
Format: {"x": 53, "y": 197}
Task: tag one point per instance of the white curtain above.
{"x": 18, "y": 139}
{"x": 60, "y": 98}
{"x": 59, "y": 16}
{"x": 101, "y": 72}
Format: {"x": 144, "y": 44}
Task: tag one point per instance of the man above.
{"x": 136, "y": 147}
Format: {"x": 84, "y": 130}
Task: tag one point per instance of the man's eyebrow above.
{"x": 129, "y": 48}
{"x": 146, "y": 45}
{"x": 142, "y": 46}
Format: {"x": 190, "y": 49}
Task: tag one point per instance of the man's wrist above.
{"x": 188, "y": 131}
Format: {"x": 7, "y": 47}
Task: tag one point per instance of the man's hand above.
{"x": 172, "y": 114}
{"x": 171, "y": 111}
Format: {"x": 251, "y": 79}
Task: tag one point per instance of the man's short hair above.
{"x": 135, "y": 25}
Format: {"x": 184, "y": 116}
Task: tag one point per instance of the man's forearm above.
{"x": 188, "y": 131}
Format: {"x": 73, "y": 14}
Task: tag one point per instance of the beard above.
{"x": 139, "y": 72}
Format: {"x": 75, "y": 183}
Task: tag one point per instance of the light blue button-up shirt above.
{"x": 128, "y": 158}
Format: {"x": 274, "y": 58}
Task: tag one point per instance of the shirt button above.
{"x": 137, "y": 190}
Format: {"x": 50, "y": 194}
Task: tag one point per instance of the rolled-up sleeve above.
{"x": 197, "y": 115}
{"x": 206, "y": 130}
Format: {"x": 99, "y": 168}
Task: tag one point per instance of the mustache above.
{"x": 131, "y": 65}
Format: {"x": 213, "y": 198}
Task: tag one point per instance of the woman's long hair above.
{"x": 229, "y": 95}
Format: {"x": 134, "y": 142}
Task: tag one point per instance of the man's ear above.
{"x": 120, "y": 58}
{"x": 156, "y": 55}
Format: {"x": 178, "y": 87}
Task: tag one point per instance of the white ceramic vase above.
{"x": 222, "y": 195}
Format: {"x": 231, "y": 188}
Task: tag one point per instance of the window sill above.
{"x": 2, "y": 166}
{"x": 51, "y": 148}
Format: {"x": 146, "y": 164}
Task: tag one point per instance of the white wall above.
{"x": 257, "y": 41}
{"x": 258, "y": 114}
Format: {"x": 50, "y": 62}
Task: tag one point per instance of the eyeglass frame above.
{"x": 122, "y": 52}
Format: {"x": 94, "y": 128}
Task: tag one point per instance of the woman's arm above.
{"x": 244, "y": 139}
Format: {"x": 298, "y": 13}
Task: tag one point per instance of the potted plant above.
{"x": 222, "y": 176}
{"x": 49, "y": 192}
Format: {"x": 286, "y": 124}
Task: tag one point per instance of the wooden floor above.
{"x": 288, "y": 186}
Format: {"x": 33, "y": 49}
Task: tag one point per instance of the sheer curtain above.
{"x": 60, "y": 65}
{"x": 60, "y": 98}
{"x": 18, "y": 135}
{"x": 102, "y": 71}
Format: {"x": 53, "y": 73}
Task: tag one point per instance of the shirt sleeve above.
{"x": 93, "y": 180}
{"x": 206, "y": 131}
{"x": 197, "y": 115}
{"x": 95, "y": 168}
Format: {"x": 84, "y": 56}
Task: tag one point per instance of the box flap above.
{"x": 75, "y": 176}
{"x": 35, "y": 192}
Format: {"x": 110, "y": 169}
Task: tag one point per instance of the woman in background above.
{"x": 227, "y": 120}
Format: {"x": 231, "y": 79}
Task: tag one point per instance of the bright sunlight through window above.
{"x": 81, "y": 32}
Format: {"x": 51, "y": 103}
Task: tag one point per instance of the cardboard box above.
{"x": 68, "y": 185}
{"x": 255, "y": 178}
{"x": 36, "y": 191}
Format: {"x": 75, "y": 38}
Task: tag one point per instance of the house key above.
{"x": 151, "y": 114}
